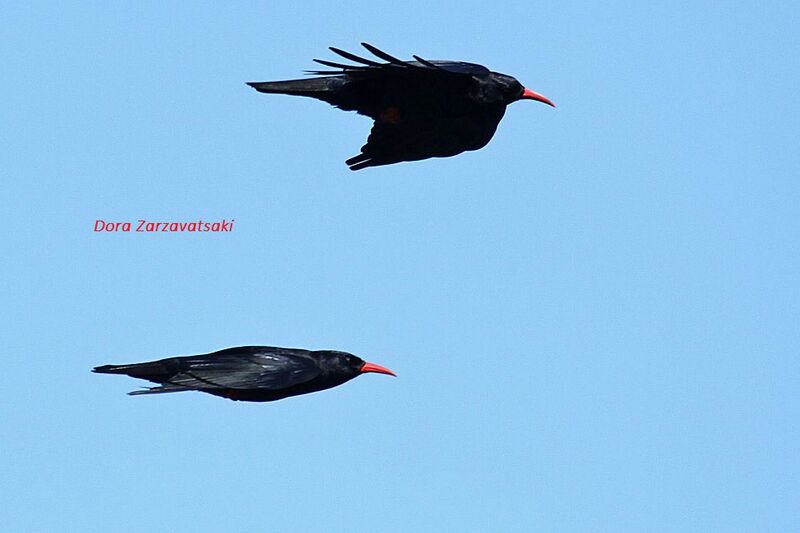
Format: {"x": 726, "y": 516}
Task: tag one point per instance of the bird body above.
{"x": 420, "y": 108}
{"x": 249, "y": 373}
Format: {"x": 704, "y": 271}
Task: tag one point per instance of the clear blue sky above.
{"x": 594, "y": 319}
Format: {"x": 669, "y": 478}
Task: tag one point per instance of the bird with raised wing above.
{"x": 421, "y": 108}
{"x": 249, "y": 373}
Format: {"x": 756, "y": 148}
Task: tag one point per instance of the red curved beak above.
{"x": 372, "y": 367}
{"x": 527, "y": 94}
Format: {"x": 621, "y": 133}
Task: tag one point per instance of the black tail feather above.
{"x": 315, "y": 87}
{"x": 157, "y": 371}
{"x": 110, "y": 369}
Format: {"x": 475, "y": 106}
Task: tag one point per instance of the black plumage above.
{"x": 421, "y": 108}
{"x": 249, "y": 373}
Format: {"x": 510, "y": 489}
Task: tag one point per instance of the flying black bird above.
{"x": 421, "y": 108}
{"x": 249, "y": 373}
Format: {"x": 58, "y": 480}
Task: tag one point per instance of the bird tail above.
{"x": 154, "y": 371}
{"x": 313, "y": 87}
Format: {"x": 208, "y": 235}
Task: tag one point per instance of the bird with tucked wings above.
{"x": 249, "y": 373}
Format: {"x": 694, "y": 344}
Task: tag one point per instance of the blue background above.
{"x": 594, "y": 319}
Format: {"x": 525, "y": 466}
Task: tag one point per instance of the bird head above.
{"x": 354, "y": 365}
{"x": 513, "y": 90}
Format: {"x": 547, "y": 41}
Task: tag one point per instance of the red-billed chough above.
{"x": 249, "y": 373}
{"x": 421, "y": 108}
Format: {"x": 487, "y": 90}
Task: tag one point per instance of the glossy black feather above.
{"x": 421, "y": 108}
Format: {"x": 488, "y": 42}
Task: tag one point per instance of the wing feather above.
{"x": 395, "y": 66}
{"x": 353, "y": 57}
{"x": 337, "y": 65}
{"x": 425, "y": 62}
{"x": 237, "y": 369}
{"x": 390, "y": 143}
{"x": 383, "y": 55}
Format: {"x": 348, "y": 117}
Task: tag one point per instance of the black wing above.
{"x": 419, "y": 67}
{"x": 413, "y": 87}
{"x": 414, "y": 140}
{"x": 421, "y": 108}
{"x": 242, "y": 368}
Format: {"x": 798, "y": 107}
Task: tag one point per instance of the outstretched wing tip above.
{"x": 359, "y": 162}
